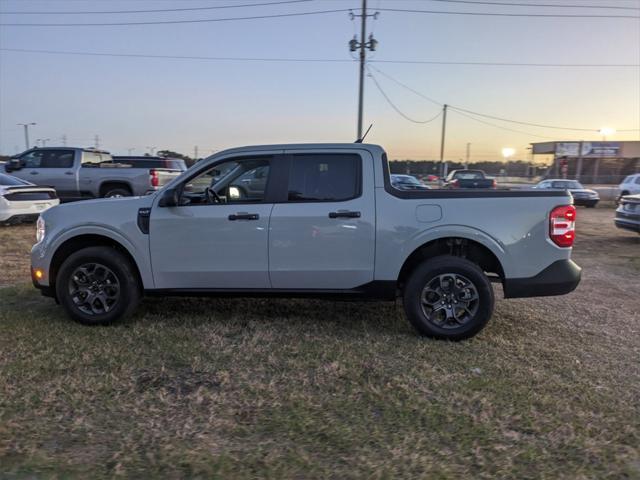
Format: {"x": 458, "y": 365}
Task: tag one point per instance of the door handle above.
{"x": 244, "y": 216}
{"x": 68, "y": 173}
{"x": 33, "y": 172}
{"x": 344, "y": 214}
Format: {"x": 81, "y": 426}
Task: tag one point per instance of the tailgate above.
{"x": 476, "y": 183}
{"x": 162, "y": 176}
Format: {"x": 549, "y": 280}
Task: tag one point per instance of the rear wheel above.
{"x": 448, "y": 298}
{"x": 97, "y": 286}
{"x": 116, "y": 193}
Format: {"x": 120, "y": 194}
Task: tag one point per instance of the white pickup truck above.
{"x": 81, "y": 173}
{"x": 321, "y": 220}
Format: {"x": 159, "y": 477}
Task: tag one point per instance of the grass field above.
{"x": 310, "y": 389}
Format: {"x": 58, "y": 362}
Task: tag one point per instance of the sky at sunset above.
{"x": 137, "y": 103}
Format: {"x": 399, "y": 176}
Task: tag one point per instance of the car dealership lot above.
{"x": 299, "y": 388}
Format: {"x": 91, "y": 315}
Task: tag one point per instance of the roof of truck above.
{"x": 305, "y": 146}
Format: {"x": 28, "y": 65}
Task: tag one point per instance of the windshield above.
{"x": 8, "y": 180}
{"x": 567, "y": 184}
{"x": 469, "y": 175}
{"x": 405, "y": 179}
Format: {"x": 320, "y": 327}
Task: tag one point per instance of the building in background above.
{"x": 591, "y": 162}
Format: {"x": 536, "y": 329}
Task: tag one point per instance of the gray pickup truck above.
{"x": 327, "y": 221}
{"x": 80, "y": 173}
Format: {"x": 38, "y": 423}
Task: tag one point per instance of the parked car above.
{"x": 21, "y": 201}
{"x": 152, "y": 162}
{"x": 581, "y": 196}
{"x": 328, "y": 222}
{"x": 469, "y": 179}
{"x": 628, "y": 213}
{"x": 630, "y": 186}
{"x": 80, "y": 173}
{"x": 407, "y": 182}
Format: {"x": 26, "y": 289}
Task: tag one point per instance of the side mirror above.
{"x": 170, "y": 198}
{"x": 13, "y": 165}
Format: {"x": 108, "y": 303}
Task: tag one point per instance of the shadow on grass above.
{"x": 25, "y": 304}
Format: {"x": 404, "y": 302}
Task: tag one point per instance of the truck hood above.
{"x": 101, "y": 210}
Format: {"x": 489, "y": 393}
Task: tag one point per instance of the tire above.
{"x": 106, "y": 274}
{"x": 448, "y": 321}
{"x": 116, "y": 192}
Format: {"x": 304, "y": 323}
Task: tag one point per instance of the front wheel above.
{"x": 448, "y": 298}
{"x": 97, "y": 286}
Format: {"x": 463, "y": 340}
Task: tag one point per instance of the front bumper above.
{"x": 559, "y": 278}
{"x": 586, "y": 202}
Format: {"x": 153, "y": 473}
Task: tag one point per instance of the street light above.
{"x": 26, "y": 133}
{"x": 607, "y": 132}
{"x": 508, "y": 152}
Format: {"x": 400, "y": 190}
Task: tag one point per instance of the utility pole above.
{"x": 96, "y": 141}
{"x": 130, "y": 151}
{"x": 362, "y": 45}
{"x": 64, "y": 140}
{"x": 26, "y": 133}
{"x": 443, "y": 170}
{"x": 468, "y": 154}
{"x": 151, "y": 150}
{"x": 195, "y": 153}
{"x": 44, "y": 141}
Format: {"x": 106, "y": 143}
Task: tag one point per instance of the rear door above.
{"x": 323, "y": 235}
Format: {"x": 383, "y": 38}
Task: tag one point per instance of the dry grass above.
{"x": 306, "y": 389}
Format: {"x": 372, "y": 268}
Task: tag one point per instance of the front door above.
{"x": 52, "y": 168}
{"x": 323, "y": 236}
{"x": 217, "y": 235}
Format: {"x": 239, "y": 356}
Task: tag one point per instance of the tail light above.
{"x": 494, "y": 184}
{"x": 155, "y": 180}
{"x": 562, "y": 225}
{"x": 455, "y": 183}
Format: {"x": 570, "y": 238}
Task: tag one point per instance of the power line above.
{"x": 180, "y": 57}
{"x": 338, "y": 60}
{"x": 493, "y": 117}
{"x": 544, "y": 5}
{"x": 168, "y": 22}
{"x": 489, "y": 14}
{"x": 534, "y": 124}
{"x": 514, "y": 64}
{"x": 159, "y": 10}
{"x": 390, "y": 102}
{"x": 501, "y": 127}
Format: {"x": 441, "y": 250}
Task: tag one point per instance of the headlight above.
{"x": 40, "y": 230}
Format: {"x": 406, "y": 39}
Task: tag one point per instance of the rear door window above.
{"x": 324, "y": 177}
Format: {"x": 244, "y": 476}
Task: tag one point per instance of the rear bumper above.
{"x": 21, "y": 218}
{"x": 628, "y": 224}
{"x": 559, "y": 278}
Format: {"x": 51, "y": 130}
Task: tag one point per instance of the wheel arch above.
{"x": 456, "y": 245}
{"x": 111, "y": 184}
{"x": 80, "y": 241}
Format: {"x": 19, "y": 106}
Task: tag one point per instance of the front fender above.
{"x": 42, "y": 253}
